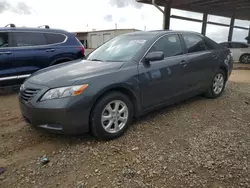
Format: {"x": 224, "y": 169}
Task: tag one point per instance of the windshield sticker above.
{"x": 137, "y": 41}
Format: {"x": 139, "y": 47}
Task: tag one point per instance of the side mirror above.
{"x": 154, "y": 56}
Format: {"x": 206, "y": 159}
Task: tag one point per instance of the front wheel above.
{"x": 111, "y": 116}
{"x": 217, "y": 86}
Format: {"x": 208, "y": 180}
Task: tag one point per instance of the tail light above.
{"x": 82, "y": 50}
{"x": 228, "y": 58}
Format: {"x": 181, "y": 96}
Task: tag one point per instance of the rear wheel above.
{"x": 217, "y": 86}
{"x": 245, "y": 59}
{"x": 111, "y": 116}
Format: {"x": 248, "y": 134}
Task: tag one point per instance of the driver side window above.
{"x": 4, "y": 40}
{"x": 170, "y": 45}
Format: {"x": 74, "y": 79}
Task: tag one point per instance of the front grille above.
{"x": 29, "y": 93}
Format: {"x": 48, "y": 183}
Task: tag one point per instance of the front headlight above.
{"x": 62, "y": 92}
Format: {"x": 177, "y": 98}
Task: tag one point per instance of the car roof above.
{"x": 235, "y": 42}
{"x": 157, "y": 33}
{"x": 33, "y": 29}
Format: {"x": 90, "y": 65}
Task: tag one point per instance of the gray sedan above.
{"x": 126, "y": 77}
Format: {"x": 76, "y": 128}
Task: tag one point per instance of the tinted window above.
{"x": 29, "y": 39}
{"x": 244, "y": 46}
{"x": 194, "y": 43}
{"x": 225, "y": 44}
{"x": 170, "y": 45}
{"x": 54, "y": 38}
{"x": 236, "y": 45}
{"x": 210, "y": 44}
{"x": 4, "y": 40}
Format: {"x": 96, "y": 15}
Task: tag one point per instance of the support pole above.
{"x": 167, "y": 14}
{"x": 204, "y": 24}
{"x": 231, "y": 28}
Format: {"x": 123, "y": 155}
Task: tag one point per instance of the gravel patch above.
{"x": 196, "y": 143}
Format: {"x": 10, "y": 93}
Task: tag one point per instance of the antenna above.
{"x": 11, "y": 25}
{"x": 45, "y": 26}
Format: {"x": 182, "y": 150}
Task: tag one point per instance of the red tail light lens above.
{"x": 82, "y": 50}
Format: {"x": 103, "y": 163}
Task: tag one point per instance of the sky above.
{"x": 87, "y": 15}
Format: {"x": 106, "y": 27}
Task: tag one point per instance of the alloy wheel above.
{"x": 218, "y": 84}
{"x": 114, "y": 116}
{"x": 245, "y": 59}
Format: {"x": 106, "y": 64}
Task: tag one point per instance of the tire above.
{"x": 215, "y": 93}
{"x": 102, "y": 116}
{"x": 245, "y": 59}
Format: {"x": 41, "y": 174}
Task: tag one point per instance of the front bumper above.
{"x": 67, "y": 116}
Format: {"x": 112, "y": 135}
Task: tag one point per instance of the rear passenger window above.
{"x": 28, "y": 39}
{"x": 225, "y": 45}
{"x": 170, "y": 45}
{"x": 236, "y": 45}
{"x": 53, "y": 38}
{"x": 211, "y": 45}
{"x": 194, "y": 43}
{"x": 244, "y": 46}
{"x": 4, "y": 40}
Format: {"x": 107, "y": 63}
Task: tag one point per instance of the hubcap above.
{"x": 246, "y": 59}
{"x": 218, "y": 84}
{"x": 114, "y": 116}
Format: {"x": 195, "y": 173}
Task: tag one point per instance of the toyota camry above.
{"x": 126, "y": 77}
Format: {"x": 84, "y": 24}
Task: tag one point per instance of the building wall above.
{"x": 82, "y": 36}
{"x": 94, "y": 39}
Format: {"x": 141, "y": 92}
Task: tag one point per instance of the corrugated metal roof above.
{"x": 216, "y": 7}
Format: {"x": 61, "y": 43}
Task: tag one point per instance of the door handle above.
{"x": 183, "y": 63}
{"x": 50, "y": 50}
{"x": 215, "y": 56}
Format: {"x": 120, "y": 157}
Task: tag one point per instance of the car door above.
{"x": 29, "y": 52}
{"x": 161, "y": 81}
{"x": 236, "y": 50}
{"x": 56, "y": 50}
{"x": 201, "y": 62}
{"x": 6, "y": 55}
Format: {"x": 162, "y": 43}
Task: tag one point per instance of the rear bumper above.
{"x": 230, "y": 68}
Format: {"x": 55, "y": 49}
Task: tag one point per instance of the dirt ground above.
{"x": 197, "y": 143}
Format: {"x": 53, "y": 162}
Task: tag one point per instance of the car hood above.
{"x": 68, "y": 73}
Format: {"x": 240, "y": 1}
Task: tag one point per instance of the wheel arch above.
{"x": 225, "y": 71}
{"x": 245, "y": 53}
{"x": 122, "y": 89}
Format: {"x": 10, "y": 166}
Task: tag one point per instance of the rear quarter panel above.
{"x": 228, "y": 65}
{"x": 70, "y": 50}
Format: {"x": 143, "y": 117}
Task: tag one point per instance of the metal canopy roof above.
{"x": 216, "y": 7}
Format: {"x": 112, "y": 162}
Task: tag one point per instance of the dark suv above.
{"x": 23, "y": 51}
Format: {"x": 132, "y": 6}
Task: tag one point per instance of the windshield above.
{"x": 122, "y": 48}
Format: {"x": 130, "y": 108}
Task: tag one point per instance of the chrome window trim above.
{"x": 140, "y": 62}
{"x": 14, "y": 77}
{"x": 25, "y": 47}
